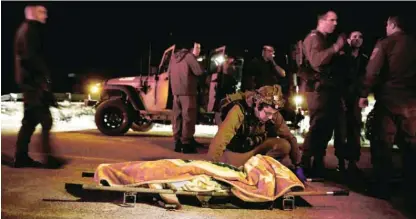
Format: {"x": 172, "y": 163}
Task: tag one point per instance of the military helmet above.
{"x": 270, "y": 95}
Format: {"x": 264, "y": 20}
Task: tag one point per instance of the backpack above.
{"x": 229, "y": 102}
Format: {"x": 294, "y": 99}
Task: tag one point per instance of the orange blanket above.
{"x": 261, "y": 179}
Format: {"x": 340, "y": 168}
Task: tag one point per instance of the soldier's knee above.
{"x": 28, "y": 124}
{"x": 282, "y": 145}
{"x": 47, "y": 123}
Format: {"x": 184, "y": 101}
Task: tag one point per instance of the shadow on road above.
{"x": 7, "y": 160}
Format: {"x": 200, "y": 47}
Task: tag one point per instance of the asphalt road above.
{"x": 41, "y": 193}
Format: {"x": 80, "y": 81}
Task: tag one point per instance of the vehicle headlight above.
{"x": 95, "y": 88}
{"x": 298, "y": 99}
{"x": 219, "y": 60}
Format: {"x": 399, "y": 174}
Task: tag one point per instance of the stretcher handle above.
{"x": 314, "y": 180}
{"x": 342, "y": 193}
{"x": 318, "y": 193}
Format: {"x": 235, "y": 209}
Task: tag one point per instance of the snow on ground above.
{"x": 75, "y": 117}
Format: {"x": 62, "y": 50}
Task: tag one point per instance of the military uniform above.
{"x": 347, "y": 138}
{"x": 391, "y": 73}
{"x": 322, "y": 95}
{"x": 241, "y": 132}
{"x": 260, "y": 73}
{"x": 183, "y": 72}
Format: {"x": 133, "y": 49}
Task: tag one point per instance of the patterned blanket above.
{"x": 261, "y": 179}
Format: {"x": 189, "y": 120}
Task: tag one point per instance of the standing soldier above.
{"x": 322, "y": 92}
{"x": 263, "y": 71}
{"x": 32, "y": 76}
{"x": 391, "y": 73}
{"x": 183, "y": 72}
{"x": 347, "y": 139}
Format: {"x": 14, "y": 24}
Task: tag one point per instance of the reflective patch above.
{"x": 375, "y": 51}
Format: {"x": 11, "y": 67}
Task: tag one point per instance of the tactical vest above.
{"x": 314, "y": 80}
{"x": 243, "y": 141}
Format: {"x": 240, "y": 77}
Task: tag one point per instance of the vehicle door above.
{"x": 162, "y": 80}
{"x": 215, "y": 62}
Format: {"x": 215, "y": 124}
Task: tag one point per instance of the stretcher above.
{"x": 130, "y": 193}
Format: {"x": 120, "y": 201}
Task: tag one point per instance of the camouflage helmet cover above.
{"x": 270, "y": 95}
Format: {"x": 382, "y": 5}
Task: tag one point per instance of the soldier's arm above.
{"x": 226, "y": 131}
{"x": 315, "y": 52}
{"x": 283, "y": 131}
{"x": 194, "y": 65}
{"x": 373, "y": 69}
{"x": 280, "y": 70}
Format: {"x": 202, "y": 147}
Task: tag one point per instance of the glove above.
{"x": 299, "y": 173}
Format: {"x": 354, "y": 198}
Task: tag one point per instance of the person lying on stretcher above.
{"x": 243, "y": 133}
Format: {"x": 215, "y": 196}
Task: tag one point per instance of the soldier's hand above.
{"x": 342, "y": 38}
{"x": 363, "y": 103}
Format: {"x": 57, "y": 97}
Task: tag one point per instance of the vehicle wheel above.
{"x": 142, "y": 125}
{"x": 113, "y": 117}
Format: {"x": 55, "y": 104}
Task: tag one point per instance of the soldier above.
{"x": 196, "y": 50}
{"x": 32, "y": 76}
{"x": 322, "y": 93}
{"x": 391, "y": 73}
{"x": 347, "y": 139}
{"x": 183, "y": 72}
{"x": 263, "y": 71}
{"x": 242, "y": 133}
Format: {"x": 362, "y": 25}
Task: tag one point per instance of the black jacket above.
{"x": 30, "y": 68}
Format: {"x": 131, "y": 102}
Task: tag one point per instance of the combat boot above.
{"x": 178, "y": 146}
{"x": 25, "y": 161}
{"x": 189, "y": 149}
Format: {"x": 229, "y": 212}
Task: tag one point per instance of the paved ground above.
{"x": 39, "y": 193}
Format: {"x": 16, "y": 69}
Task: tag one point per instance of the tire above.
{"x": 142, "y": 126}
{"x": 113, "y": 117}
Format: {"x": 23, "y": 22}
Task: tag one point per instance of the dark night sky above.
{"x": 111, "y": 39}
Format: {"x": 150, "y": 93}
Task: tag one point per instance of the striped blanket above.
{"x": 261, "y": 179}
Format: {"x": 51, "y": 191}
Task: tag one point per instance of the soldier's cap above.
{"x": 270, "y": 95}
{"x": 268, "y": 47}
